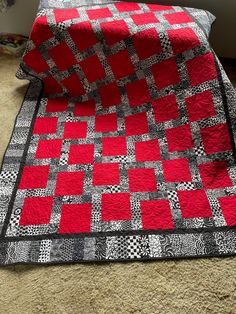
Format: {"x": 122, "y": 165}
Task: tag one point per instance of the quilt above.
{"x": 124, "y": 148}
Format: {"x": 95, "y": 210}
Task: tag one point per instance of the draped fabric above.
{"x": 128, "y": 150}
{"x": 65, "y": 33}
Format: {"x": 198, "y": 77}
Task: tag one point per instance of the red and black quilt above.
{"x": 124, "y": 147}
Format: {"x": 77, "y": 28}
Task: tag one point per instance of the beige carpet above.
{"x": 187, "y": 286}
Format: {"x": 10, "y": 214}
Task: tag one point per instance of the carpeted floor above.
{"x": 184, "y": 286}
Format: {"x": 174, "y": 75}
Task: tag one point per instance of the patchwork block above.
{"x": 106, "y": 123}
{"x": 75, "y": 218}
{"x": 45, "y": 125}
{"x": 176, "y": 170}
{"x": 81, "y": 154}
{"x": 106, "y": 174}
{"x": 34, "y": 177}
{"x": 142, "y": 180}
{"x": 75, "y": 130}
{"x": 215, "y": 175}
{"x": 147, "y": 151}
{"x": 49, "y": 149}
{"x": 69, "y": 183}
{"x": 150, "y": 40}
{"x": 161, "y": 73}
{"x": 114, "y": 146}
{"x": 179, "y": 138}
{"x": 116, "y": 207}
{"x": 36, "y": 211}
{"x": 156, "y": 215}
{"x": 136, "y": 124}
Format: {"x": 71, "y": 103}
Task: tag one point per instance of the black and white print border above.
{"x": 119, "y": 248}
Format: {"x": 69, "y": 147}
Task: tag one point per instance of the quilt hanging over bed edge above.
{"x": 128, "y": 150}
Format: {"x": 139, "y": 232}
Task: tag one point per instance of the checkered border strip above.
{"x": 119, "y": 248}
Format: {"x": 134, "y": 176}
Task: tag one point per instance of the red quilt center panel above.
{"x": 125, "y": 168}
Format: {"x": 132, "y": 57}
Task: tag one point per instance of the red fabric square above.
{"x": 73, "y": 85}
{"x": 75, "y": 129}
{"x": 49, "y": 149}
{"x": 110, "y": 33}
{"x": 178, "y": 18}
{"x": 36, "y": 211}
{"x": 138, "y": 93}
{"x": 136, "y": 124}
{"x": 69, "y": 183}
{"x": 216, "y": 139}
{"x": 99, "y": 13}
{"x": 161, "y": 72}
{"x": 215, "y": 175}
{"x": 51, "y": 86}
{"x": 150, "y": 40}
{"x": 75, "y": 218}
{"x": 200, "y": 106}
{"x": 144, "y": 18}
{"x": 34, "y": 177}
{"x": 106, "y": 174}
{"x": 228, "y": 205}
{"x": 121, "y": 64}
{"x": 194, "y": 204}
{"x": 142, "y": 180}
{"x": 35, "y": 61}
{"x": 57, "y": 104}
{"x": 41, "y": 31}
{"x": 156, "y": 215}
{"x": 179, "y": 138}
{"x": 183, "y": 39}
{"x": 205, "y": 72}
{"x": 127, "y": 7}
{"x": 147, "y": 151}
{"x": 110, "y": 95}
{"x": 87, "y": 36}
{"x": 62, "y": 15}
{"x": 114, "y": 146}
{"x": 165, "y": 108}
{"x": 106, "y": 123}
{"x": 93, "y": 69}
{"x": 81, "y": 154}
{"x": 85, "y": 109}
{"x": 45, "y": 125}
{"x": 62, "y": 56}
{"x": 116, "y": 207}
{"x": 156, "y": 7}
{"x": 176, "y": 170}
